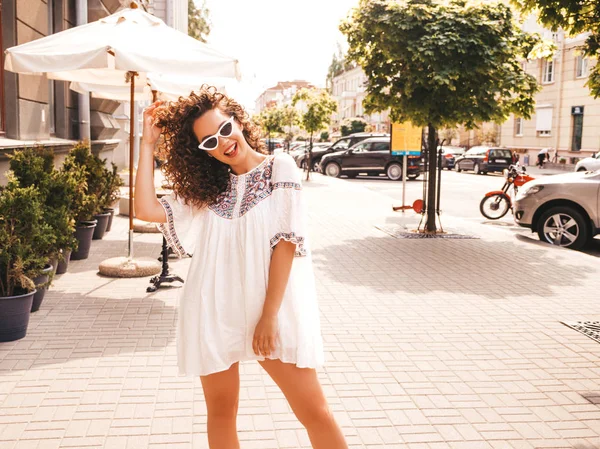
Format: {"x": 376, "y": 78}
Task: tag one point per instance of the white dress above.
{"x": 231, "y": 243}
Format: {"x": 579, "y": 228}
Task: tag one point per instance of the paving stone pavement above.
{"x": 431, "y": 344}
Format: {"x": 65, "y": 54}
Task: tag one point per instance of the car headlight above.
{"x": 528, "y": 191}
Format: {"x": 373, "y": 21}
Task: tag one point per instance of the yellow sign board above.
{"x": 406, "y": 139}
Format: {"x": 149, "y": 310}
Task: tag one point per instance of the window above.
{"x": 543, "y": 121}
{"x": 519, "y": 126}
{"x": 381, "y": 146}
{"x": 342, "y": 144}
{"x": 361, "y": 147}
{"x": 581, "y": 66}
{"x": 548, "y": 71}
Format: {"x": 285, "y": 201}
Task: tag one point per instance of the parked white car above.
{"x": 589, "y": 163}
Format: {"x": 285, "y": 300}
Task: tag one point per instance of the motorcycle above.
{"x": 496, "y": 204}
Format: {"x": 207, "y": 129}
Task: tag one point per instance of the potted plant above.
{"x": 110, "y": 193}
{"x": 85, "y": 204}
{"x": 22, "y": 233}
{"x": 35, "y": 167}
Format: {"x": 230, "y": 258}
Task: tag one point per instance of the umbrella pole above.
{"x": 132, "y": 76}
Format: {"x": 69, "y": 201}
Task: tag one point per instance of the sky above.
{"x": 277, "y": 40}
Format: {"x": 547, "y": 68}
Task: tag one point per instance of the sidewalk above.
{"x": 431, "y": 344}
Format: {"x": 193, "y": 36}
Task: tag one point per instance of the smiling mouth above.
{"x": 231, "y": 151}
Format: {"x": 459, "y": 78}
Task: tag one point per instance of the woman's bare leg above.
{"x": 222, "y": 395}
{"x": 303, "y": 391}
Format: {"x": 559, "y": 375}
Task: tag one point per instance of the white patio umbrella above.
{"x": 114, "y": 51}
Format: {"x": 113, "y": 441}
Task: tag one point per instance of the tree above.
{"x": 272, "y": 121}
{"x": 353, "y": 125}
{"x": 318, "y": 107}
{"x": 442, "y": 64}
{"x": 198, "y": 21}
{"x": 339, "y": 64}
{"x": 574, "y": 17}
{"x": 291, "y": 118}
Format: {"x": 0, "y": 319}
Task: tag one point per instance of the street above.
{"x": 460, "y": 197}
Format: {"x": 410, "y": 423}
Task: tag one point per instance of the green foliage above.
{"x": 198, "y": 21}
{"x": 324, "y": 136}
{"x": 353, "y": 125}
{"x": 574, "y": 17}
{"x": 319, "y": 107}
{"x": 442, "y": 64}
{"x": 339, "y": 64}
{"x": 34, "y": 167}
{"x": 271, "y": 120}
{"x": 110, "y": 189}
{"x": 24, "y": 235}
{"x": 91, "y": 171}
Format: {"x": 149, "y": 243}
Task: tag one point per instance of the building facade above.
{"x": 34, "y": 109}
{"x": 280, "y": 94}
{"x": 348, "y": 89}
{"x": 566, "y": 116}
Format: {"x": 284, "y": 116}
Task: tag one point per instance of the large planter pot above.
{"x": 101, "y": 226}
{"x": 54, "y": 262}
{"x": 110, "y": 210}
{"x": 84, "y": 231}
{"x": 41, "y": 291}
{"x": 62, "y": 266}
{"x": 14, "y": 316}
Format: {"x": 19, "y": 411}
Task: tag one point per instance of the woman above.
{"x": 249, "y": 293}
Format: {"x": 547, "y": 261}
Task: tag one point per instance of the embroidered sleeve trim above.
{"x": 287, "y": 185}
{"x": 168, "y": 229}
{"x": 290, "y": 237}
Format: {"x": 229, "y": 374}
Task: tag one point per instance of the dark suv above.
{"x": 341, "y": 144}
{"x": 485, "y": 159}
{"x": 371, "y": 156}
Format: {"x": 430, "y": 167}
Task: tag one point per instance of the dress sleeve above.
{"x": 289, "y": 222}
{"x": 178, "y": 225}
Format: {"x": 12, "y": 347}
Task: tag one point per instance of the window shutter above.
{"x": 543, "y": 120}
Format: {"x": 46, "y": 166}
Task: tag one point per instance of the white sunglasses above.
{"x": 212, "y": 142}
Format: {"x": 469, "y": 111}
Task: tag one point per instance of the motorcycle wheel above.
{"x": 494, "y": 207}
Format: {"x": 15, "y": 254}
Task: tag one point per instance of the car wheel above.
{"x": 394, "y": 171}
{"x": 316, "y": 167}
{"x": 582, "y": 169}
{"x": 333, "y": 169}
{"x": 476, "y": 169}
{"x": 563, "y": 226}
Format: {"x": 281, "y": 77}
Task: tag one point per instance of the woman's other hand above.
{"x": 266, "y": 336}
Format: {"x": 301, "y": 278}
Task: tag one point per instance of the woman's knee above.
{"x": 315, "y": 415}
{"x": 222, "y": 405}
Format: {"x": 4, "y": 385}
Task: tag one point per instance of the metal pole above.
{"x": 404, "y": 175}
{"x": 83, "y": 108}
{"x": 2, "y": 103}
{"x": 131, "y": 137}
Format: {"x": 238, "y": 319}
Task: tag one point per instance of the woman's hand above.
{"x": 151, "y": 132}
{"x": 266, "y": 335}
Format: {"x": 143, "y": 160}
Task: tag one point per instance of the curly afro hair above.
{"x": 194, "y": 175}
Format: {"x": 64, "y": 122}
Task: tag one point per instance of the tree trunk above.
{"x": 308, "y": 162}
{"x": 430, "y": 225}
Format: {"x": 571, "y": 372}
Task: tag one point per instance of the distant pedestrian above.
{"x": 250, "y": 291}
{"x": 541, "y": 157}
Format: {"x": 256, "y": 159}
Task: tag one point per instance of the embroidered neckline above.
{"x": 258, "y": 167}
